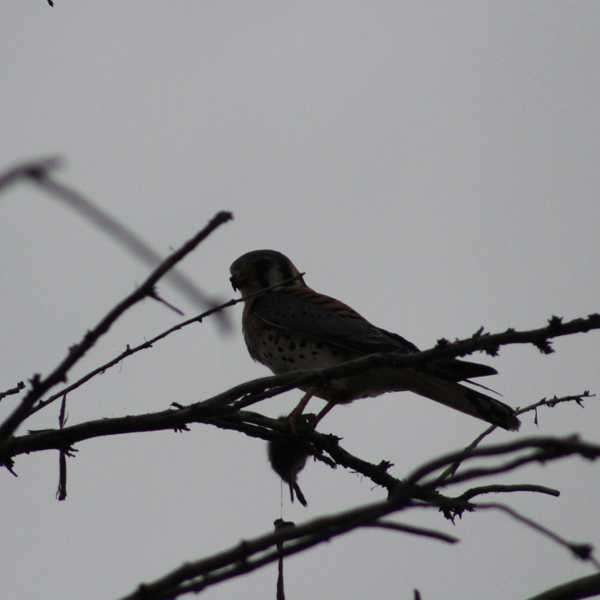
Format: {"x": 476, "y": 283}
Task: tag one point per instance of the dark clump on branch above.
{"x": 287, "y": 455}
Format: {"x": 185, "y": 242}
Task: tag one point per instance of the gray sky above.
{"x": 434, "y": 165}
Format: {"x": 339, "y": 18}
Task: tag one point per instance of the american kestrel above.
{"x": 292, "y": 326}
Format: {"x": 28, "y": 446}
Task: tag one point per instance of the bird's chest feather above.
{"x": 283, "y": 350}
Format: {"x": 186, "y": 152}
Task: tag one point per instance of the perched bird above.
{"x": 291, "y": 326}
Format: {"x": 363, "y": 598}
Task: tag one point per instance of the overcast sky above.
{"x": 433, "y": 164}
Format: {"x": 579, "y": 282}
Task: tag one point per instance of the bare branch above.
{"x": 550, "y": 402}
{"x": 250, "y": 555}
{"x": 543, "y": 449}
{"x": 40, "y": 386}
{"x": 585, "y": 587}
{"x": 258, "y": 426}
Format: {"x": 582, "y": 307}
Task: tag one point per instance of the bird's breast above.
{"x": 283, "y": 352}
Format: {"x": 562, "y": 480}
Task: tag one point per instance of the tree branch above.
{"x": 585, "y": 587}
{"x": 252, "y": 554}
{"x": 549, "y": 402}
{"x": 543, "y": 449}
{"x": 40, "y": 386}
{"x": 129, "y": 351}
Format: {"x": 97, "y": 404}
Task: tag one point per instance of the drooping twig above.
{"x": 39, "y": 386}
{"x": 580, "y": 551}
{"x": 61, "y": 491}
{"x": 280, "y": 591}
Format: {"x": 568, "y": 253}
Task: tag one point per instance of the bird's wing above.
{"x": 304, "y": 311}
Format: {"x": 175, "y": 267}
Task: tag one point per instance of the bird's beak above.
{"x": 234, "y": 283}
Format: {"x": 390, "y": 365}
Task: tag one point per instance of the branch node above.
{"x": 582, "y": 551}
{"x": 555, "y": 322}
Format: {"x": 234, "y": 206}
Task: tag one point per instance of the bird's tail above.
{"x": 466, "y": 400}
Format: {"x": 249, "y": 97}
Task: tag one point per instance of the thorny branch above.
{"x": 129, "y": 351}
{"x": 39, "y": 386}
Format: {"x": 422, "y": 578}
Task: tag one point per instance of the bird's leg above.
{"x": 322, "y": 413}
{"x": 293, "y": 416}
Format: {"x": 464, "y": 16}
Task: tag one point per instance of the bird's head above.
{"x": 260, "y": 269}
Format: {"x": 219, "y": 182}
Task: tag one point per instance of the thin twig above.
{"x": 549, "y": 402}
{"x": 28, "y": 170}
{"x": 13, "y": 390}
{"x": 580, "y": 551}
{"x": 508, "y": 489}
{"x": 421, "y": 531}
